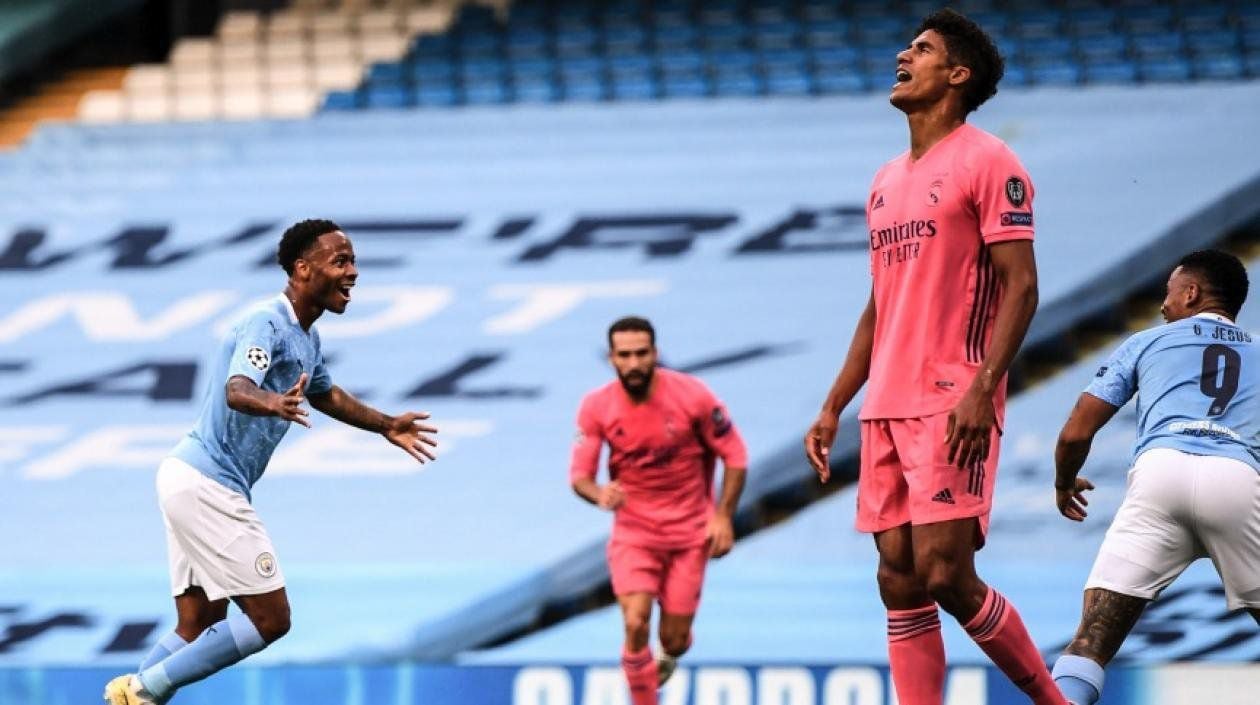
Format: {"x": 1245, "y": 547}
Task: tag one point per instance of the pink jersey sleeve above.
{"x": 1003, "y": 196}
{"x": 718, "y": 431}
{"x": 590, "y": 438}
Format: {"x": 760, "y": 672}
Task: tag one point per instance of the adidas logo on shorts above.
{"x": 944, "y": 496}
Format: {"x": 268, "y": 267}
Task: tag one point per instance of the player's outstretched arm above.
{"x": 1088, "y": 416}
{"x": 407, "y": 431}
{"x": 971, "y": 422}
{"x": 852, "y": 375}
{"x": 248, "y": 398}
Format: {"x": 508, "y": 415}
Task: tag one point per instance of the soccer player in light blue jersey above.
{"x": 1194, "y": 490}
{"x": 267, "y": 366}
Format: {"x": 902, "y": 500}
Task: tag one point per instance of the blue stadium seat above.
{"x": 634, "y": 86}
{"x": 387, "y": 73}
{"x": 681, "y": 60}
{"x": 995, "y": 23}
{"x": 436, "y": 95}
{"x": 786, "y": 81}
{"x": 815, "y": 11}
{"x": 732, "y": 59}
{"x": 835, "y": 80}
{"x": 688, "y": 85}
{"x": 1091, "y": 21}
{"x": 1220, "y": 67}
{"x": 584, "y": 88}
{"x": 777, "y": 36}
{"x": 1016, "y": 74}
{"x": 481, "y": 69}
{"x": 1165, "y": 70}
{"x": 795, "y": 59}
{"x": 485, "y": 93}
{"x": 883, "y": 29}
{"x": 670, "y": 18}
{"x": 816, "y": 37}
{"x": 679, "y": 37}
{"x": 634, "y": 62}
{"x": 1251, "y": 40}
{"x": 534, "y": 44}
{"x": 1249, "y": 17}
{"x": 1103, "y": 47}
{"x": 1212, "y": 41}
{"x": 432, "y": 72}
{"x": 342, "y": 100}
{"x": 1056, "y": 73}
{"x": 737, "y": 82}
{"x": 880, "y": 59}
{"x": 1145, "y": 18}
{"x": 433, "y": 45}
{"x": 1252, "y": 61}
{"x": 388, "y": 96}
{"x": 726, "y": 36}
{"x": 1204, "y": 17}
{"x": 535, "y": 91}
{"x": 625, "y": 40}
{"x": 581, "y": 65}
{"x": 1047, "y": 48}
{"x": 480, "y": 46}
{"x": 840, "y": 55}
{"x": 1111, "y": 72}
{"x": 1037, "y": 24}
{"x": 1158, "y": 45}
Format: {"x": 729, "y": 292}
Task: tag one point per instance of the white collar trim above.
{"x": 288, "y": 306}
{"x": 1210, "y": 316}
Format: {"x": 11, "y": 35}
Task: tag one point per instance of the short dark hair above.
{"x": 637, "y": 324}
{"x": 1224, "y": 275}
{"x": 299, "y": 238}
{"x": 969, "y": 46}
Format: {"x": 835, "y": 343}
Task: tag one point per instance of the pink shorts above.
{"x": 906, "y": 476}
{"x": 674, "y": 576}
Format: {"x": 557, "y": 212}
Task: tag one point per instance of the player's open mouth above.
{"x": 902, "y": 76}
{"x": 345, "y": 291}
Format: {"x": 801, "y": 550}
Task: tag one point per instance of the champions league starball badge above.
{"x": 1015, "y": 191}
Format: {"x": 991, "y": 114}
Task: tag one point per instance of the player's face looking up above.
{"x": 633, "y": 356}
{"x": 1184, "y": 292}
{"x": 326, "y": 271}
{"x": 925, "y": 73}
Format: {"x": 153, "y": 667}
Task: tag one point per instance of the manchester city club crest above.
{"x": 1015, "y": 191}
{"x": 265, "y": 564}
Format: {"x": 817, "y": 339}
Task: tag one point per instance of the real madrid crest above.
{"x": 1015, "y": 191}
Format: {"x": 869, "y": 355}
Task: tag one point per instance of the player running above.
{"x": 954, "y": 289}
{"x": 663, "y": 429}
{"x": 266, "y": 367}
{"x": 1194, "y": 490}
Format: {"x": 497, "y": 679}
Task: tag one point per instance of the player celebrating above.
{"x": 267, "y": 366}
{"x": 663, "y": 429}
{"x": 955, "y": 286}
{"x": 1194, "y": 489}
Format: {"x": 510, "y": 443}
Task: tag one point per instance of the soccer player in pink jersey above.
{"x": 954, "y": 289}
{"x": 664, "y": 430}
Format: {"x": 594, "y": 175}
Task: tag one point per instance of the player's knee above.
{"x": 897, "y": 584}
{"x": 675, "y": 642}
{"x": 945, "y": 582}
{"x": 637, "y": 629}
{"x": 272, "y": 625}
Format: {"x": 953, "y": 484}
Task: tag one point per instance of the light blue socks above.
{"x": 1079, "y": 679}
{"x": 166, "y": 646}
{"x": 218, "y": 647}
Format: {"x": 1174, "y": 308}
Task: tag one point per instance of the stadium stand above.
{"x": 495, "y": 246}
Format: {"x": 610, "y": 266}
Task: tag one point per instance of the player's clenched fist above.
{"x": 611, "y": 496}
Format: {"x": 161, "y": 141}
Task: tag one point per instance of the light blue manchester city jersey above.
{"x": 268, "y": 346}
{"x": 1197, "y": 381}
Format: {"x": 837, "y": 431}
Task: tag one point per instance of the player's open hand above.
{"x": 969, "y": 430}
{"x": 818, "y": 443}
{"x": 288, "y": 406}
{"x": 721, "y": 535}
{"x": 1072, "y": 502}
{"x": 611, "y": 496}
{"x": 410, "y": 433}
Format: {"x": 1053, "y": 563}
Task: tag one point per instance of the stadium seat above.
{"x": 535, "y": 91}
{"x": 1219, "y": 67}
{"x": 1111, "y": 72}
{"x": 1103, "y": 47}
{"x": 342, "y": 100}
{"x": 685, "y": 85}
{"x": 1165, "y": 70}
{"x": 388, "y": 96}
{"x": 787, "y": 80}
{"x": 737, "y": 82}
{"x": 638, "y": 85}
{"x": 485, "y": 92}
{"x": 102, "y": 106}
{"x": 840, "y": 81}
{"x": 1056, "y": 73}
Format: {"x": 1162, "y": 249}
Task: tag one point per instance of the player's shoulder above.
{"x": 979, "y": 147}
{"x": 888, "y": 166}
{"x": 599, "y": 397}
{"x": 261, "y": 313}
{"x": 685, "y": 385}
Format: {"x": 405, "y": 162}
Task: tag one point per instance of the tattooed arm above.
{"x": 1106, "y": 619}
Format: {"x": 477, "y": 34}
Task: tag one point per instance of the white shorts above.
{"x": 1178, "y": 508}
{"x": 214, "y": 538}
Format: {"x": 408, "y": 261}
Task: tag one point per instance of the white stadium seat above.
{"x": 241, "y": 104}
{"x": 147, "y": 78}
{"x": 102, "y": 106}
